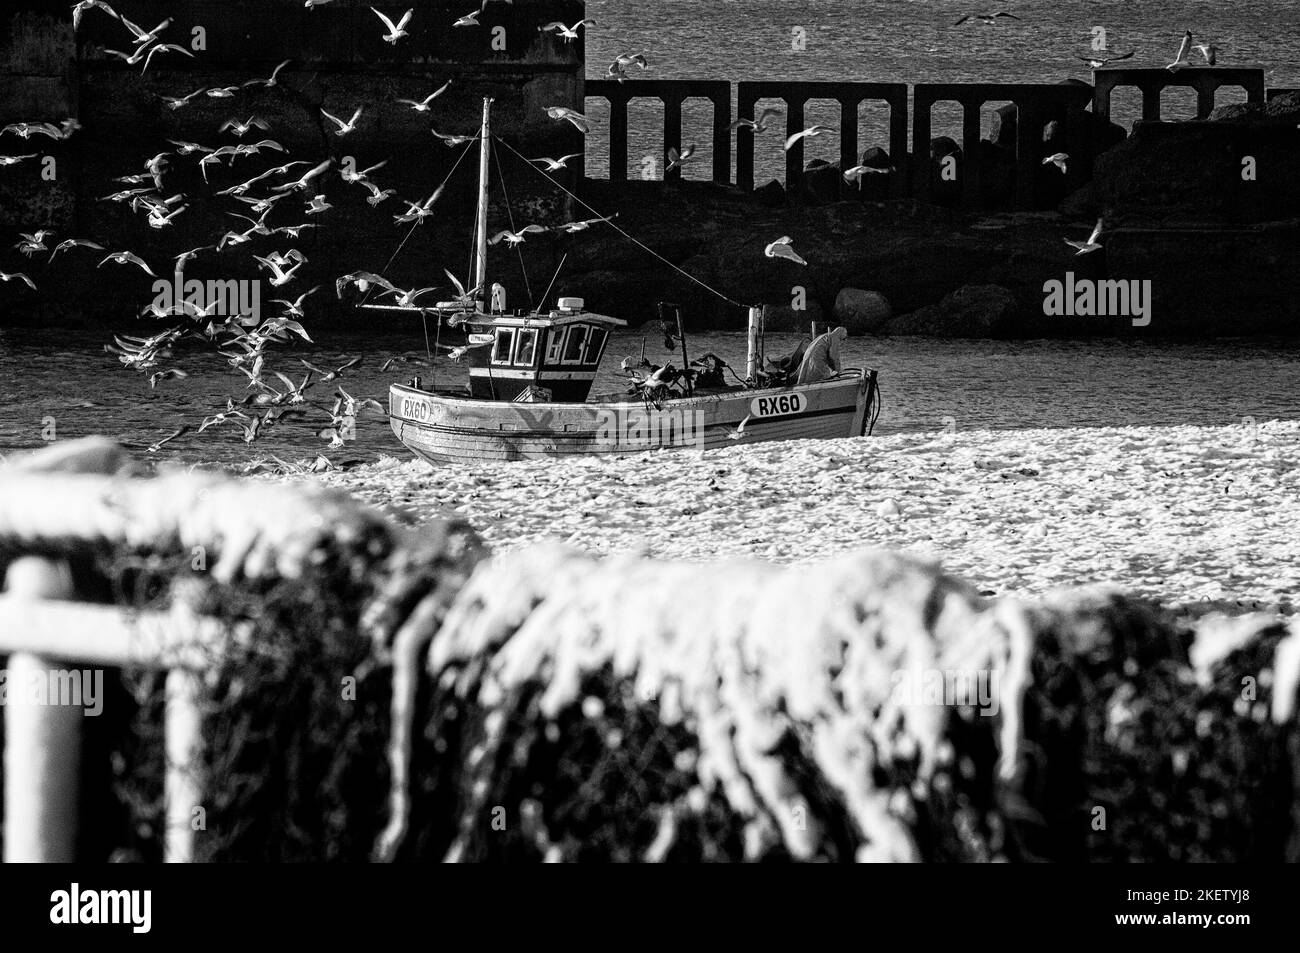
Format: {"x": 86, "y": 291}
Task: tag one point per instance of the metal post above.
{"x": 183, "y": 742}
{"x": 42, "y": 741}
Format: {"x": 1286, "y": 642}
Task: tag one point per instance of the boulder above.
{"x": 1003, "y": 132}
{"x": 861, "y": 312}
{"x": 1285, "y": 107}
{"x": 771, "y": 195}
{"x": 1179, "y": 172}
{"x": 945, "y": 191}
{"x": 972, "y": 311}
{"x": 821, "y": 182}
{"x": 784, "y": 318}
{"x": 941, "y": 146}
{"x": 872, "y": 187}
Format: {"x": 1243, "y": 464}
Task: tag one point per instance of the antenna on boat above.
{"x": 480, "y": 239}
{"x": 754, "y": 344}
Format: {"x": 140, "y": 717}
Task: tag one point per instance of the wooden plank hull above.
{"x": 444, "y": 428}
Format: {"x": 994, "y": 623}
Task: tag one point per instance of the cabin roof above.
{"x": 551, "y": 319}
{"x": 538, "y": 319}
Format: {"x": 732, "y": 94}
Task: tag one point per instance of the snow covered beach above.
{"x": 1185, "y": 515}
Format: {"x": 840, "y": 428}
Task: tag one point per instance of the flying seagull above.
{"x": 299, "y": 184}
{"x": 555, "y": 165}
{"x": 1097, "y": 62}
{"x": 1091, "y": 244}
{"x": 756, "y": 125}
{"x": 781, "y": 249}
{"x": 618, "y": 68}
{"x": 127, "y": 258}
{"x": 675, "y": 158}
{"x": 856, "y": 173}
{"x": 176, "y": 102}
{"x": 17, "y": 276}
{"x": 271, "y": 80}
{"x": 343, "y": 127}
{"x": 422, "y": 105}
{"x": 163, "y": 48}
{"x": 34, "y": 242}
{"x": 395, "y": 30}
{"x": 1209, "y": 51}
{"x": 564, "y": 112}
{"x": 986, "y": 18}
{"x": 80, "y": 8}
{"x": 1184, "y": 49}
{"x": 453, "y": 139}
{"x": 567, "y": 33}
{"x": 739, "y": 432}
{"x": 1057, "y": 159}
{"x": 241, "y": 129}
{"x": 807, "y": 133}
{"x": 515, "y": 238}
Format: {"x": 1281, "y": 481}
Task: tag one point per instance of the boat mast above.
{"x": 480, "y": 247}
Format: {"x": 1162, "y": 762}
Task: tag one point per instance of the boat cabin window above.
{"x": 554, "y": 345}
{"x": 573, "y": 343}
{"x": 526, "y": 349}
{"x": 595, "y": 341}
{"x": 501, "y": 347}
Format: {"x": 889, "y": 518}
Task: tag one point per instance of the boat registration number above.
{"x": 414, "y": 408}
{"x": 778, "y": 405}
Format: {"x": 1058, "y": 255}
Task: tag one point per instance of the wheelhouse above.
{"x": 549, "y": 356}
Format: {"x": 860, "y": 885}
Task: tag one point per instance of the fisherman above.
{"x": 822, "y": 359}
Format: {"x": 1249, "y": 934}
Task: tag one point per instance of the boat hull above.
{"x": 446, "y": 428}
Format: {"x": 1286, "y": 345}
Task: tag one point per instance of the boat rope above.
{"x": 511, "y": 215}
{"x": 547, "y": 293}
{"x": 642, "y": 245}
{"x": 414, "y": 225}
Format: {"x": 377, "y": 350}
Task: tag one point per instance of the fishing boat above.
{"x": 531, "y": 375}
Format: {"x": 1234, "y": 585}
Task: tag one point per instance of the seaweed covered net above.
{"x": 381, "y": 690}
{"x": 294, "y": 694}
{"x": 580, "y": 709}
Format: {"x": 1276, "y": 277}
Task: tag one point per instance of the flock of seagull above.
{"x": 242, "y": 339}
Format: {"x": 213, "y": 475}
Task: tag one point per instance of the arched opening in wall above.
{"x": 1125, "y": 107}
{"x": 697, "y": 128}
{"x": 946, "y": 121}
{"x": 873, "y": 127}
{"x": 826, "y": 146}
{"x": 1229, "y": 95}
{"x": 596, "y": 143}
{"x": 769, "y": 159}
{"x": 998, "y": 123}
{"x": 1177, "y": 104}
{"x": 947, "y": 152}
{"x": 876, "y": 152}
{"x": 645, "y": 138}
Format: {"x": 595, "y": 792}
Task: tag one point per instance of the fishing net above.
{"x": 295, "y": 693}
{"x": 381, "y": 690}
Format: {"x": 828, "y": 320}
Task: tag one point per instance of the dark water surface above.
{"x": 67, "y": 376}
